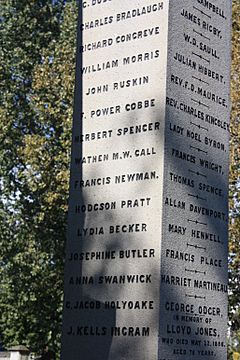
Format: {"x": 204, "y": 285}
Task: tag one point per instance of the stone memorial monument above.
{"x": 146, "y": 256}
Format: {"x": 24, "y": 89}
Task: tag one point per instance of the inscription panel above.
{"x": 112, "y": 275}
{"x": 146, "y": 256}
{"x": 194, "y": 247}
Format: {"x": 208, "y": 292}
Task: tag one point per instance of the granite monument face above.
{"x": 146, "y": 256}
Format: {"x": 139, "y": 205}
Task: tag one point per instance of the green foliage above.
{"x": 234, "y": 191}
{"x": 36, "y": 83}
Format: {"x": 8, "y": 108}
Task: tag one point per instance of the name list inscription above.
{"x": 113, "y": 253}
{"x": 194, "y": 247}
{"x": 133, "y": 245}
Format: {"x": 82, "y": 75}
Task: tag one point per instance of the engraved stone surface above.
{"x": 146, "y": 256}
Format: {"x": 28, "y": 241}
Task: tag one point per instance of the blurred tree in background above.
{"x": 234, "y": 191}
{"x": 37, "y": 39}
{"x": 37, "y": 74}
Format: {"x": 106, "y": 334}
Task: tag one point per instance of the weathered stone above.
{"x": 146, "y": 265}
